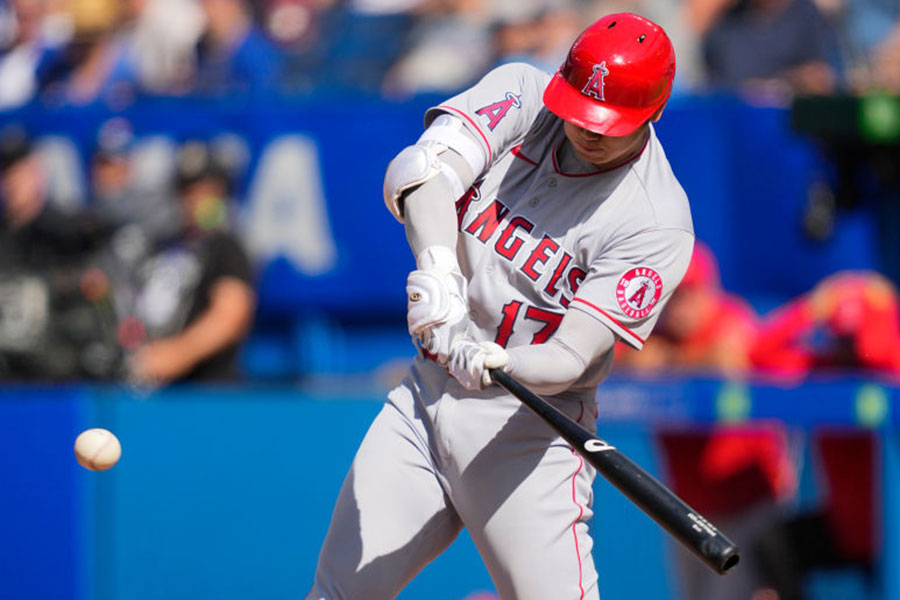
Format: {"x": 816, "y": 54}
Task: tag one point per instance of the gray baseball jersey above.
{"x": 534, "y": 242}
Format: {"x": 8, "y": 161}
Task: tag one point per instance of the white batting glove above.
{"x": 436, "y": 310}
{"x": 470, "y": 362}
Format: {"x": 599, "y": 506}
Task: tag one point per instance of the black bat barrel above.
{"x": 659, "y": 502}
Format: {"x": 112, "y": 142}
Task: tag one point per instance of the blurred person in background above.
{"x": 842, "y": 532}
{"x": 867, "y": 34}
{"x": 882, "y": 71}
{"x": 162, "y": 35}
{"x": 22, "y": 179}
{"x": 768, "y": 50}
{"x": 514, "y": 39}
{"x": 195, "y": 301}
{"x": 849, "y": 323}
{"x": 450, "y": 47}
{"x": 703, "y": 329}
{"x": 97, "y": 65}
{"x": 557, "y": 23}
{"x": 117, "y": 49}
{"x": 306, "y": 30}
{"x": 143, "y": 212}
{"x": 28, "y": 34}
{"x": 539, "y": 37}
{"x": 740, "y": 476}
{"x": 79, "y": 292}
{"x": 118, "y": 196}
{"x": 25, "y": 302}
{"x": 234, "y": 55}
{"x": 367, "y": 37}
{"x": 46, "y": 319}
{"x": 35, "y": 230}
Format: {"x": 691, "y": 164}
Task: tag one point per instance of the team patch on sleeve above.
{"x": 638, "y": 291}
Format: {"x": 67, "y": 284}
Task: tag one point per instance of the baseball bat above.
{"x": 659, "y": 502}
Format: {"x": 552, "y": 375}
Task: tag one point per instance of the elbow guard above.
{"x": 421, "y": 162}
{"x": 411, "y": 168}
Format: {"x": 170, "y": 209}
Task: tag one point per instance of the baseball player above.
{"x": 546, "y": 224}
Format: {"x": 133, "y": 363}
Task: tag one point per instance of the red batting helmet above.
{"x": 617, "y": 75}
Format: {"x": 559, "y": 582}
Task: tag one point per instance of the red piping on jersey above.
{"x": 474, "y": 124}
{"x": 608, "y": 316}
{"x": 606, "y": 170}
{"x": 575, "y": 524}
{"x": 517, "y": 152}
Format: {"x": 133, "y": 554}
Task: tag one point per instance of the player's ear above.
{"x": 659, "y": 111}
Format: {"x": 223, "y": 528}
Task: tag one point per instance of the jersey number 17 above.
{"x": 550, "y": 320}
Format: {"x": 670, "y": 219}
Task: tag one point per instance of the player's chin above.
{"x": 597, "y": 155}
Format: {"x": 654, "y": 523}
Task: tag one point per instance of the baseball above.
{"x": 97, "y": 449}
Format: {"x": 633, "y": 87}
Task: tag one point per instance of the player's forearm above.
{"x": 430, "y": 209}
{"x": 547, "y": 369}
{"x": 224, "y": 323}
{"x": 430, "y": 212}
{"x": 555, "y": 366}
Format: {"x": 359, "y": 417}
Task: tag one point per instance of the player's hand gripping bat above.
{"x": 651, "y": 496}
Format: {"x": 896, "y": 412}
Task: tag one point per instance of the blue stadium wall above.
{"x": 222, "y": 494}
{"x": 227, "y": 493}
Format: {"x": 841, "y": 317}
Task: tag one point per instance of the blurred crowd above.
{"x": 82, "y": 52}
{"x": 146, "y": 283}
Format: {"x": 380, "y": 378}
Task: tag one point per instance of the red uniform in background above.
{"x": 851, "y": 322}
{"x": 702, "y": 329}
{"x": 848, "y": 322}
{"x": 736, "y": 474}
{"x": 706, "y": 330}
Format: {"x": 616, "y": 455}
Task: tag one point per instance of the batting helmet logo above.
{"x": 594, "y": 86}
